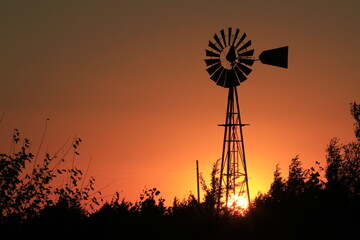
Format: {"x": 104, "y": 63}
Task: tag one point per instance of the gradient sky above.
{"x": 128, "y": 77}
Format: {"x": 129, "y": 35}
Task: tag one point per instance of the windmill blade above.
{"x": 240, "y": 40}
{"x": 248, "y": 44}
{"x": 276, "y": 57}
{"x": 211, "y": 54}
{"x": 244, "y": 69}
{"x": 247, "y": 53}
{"x": 211, "y": 61}
{"x": 217, "y": 74}
{"x": 217, "y": 39}
{"x": 240, "y": 74}
{"x": 235, "y": 36}
{"x": 213, "y": 46}
{"x": 223, "y": 37}
{"x": 229, "y": 37}
{"x": 221, "y": 79}
{"x": 247, "y": 61}
{"x": 213, "y": 68}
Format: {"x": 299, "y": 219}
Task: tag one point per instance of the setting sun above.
{"x": 238, "y": 204}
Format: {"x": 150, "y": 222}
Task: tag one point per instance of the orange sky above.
{"x": 128, "y": 77}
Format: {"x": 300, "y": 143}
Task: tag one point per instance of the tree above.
{"x": 343, "y": 162}
{"x": 296, "y": 182}
{"x": 355, "y": 112}
{"x": 278, "y": 185}
{"x": 212, "y": 192}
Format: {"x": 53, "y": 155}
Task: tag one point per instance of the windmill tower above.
{"x": 229, "y": 60}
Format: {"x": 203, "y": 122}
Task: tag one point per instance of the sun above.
{"x": 238, "y": 204}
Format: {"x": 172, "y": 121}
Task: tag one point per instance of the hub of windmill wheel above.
{"x": 228, "y": 56}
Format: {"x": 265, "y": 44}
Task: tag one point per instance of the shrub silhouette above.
{"x": 211, "y": 195}
{"x": 26, "y": 189}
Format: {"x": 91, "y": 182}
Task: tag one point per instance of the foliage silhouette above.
{"x": 355, "y": 112}
{"x": 308, "y": 205}
{"x": 211, "y": 193}
{"x": 27, "y": 192}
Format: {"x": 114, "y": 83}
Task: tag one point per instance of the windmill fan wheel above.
{"x": 229, "y": 58}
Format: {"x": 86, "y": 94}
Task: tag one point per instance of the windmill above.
{"x": 229, "y": 60}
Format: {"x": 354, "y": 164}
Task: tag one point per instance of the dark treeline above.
{"x": 322, "y": 202}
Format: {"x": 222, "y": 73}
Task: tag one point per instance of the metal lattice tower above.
{"x": 233, "y": 171}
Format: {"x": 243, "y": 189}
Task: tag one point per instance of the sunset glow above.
{"x": 238, "y": 204}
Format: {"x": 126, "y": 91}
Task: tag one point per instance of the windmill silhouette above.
{"x": 229, "y": 60}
